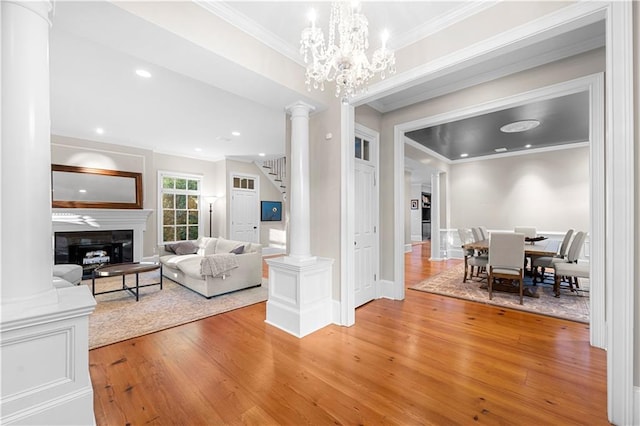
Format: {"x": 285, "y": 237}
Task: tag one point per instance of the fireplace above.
{"x": 91, "y": 249}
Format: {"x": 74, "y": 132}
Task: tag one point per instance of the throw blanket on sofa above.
{"x": 218, "y": 264}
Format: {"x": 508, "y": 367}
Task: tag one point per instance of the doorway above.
{"x": 366, "y": 243}
{"x": 245, "y": 207}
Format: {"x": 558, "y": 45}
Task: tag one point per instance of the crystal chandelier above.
{"x": 346, "y": 62}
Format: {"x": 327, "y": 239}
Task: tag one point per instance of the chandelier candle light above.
{"x": 347, "y": 62}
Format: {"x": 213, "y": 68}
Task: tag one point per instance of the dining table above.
{"x": 532, "y": 249}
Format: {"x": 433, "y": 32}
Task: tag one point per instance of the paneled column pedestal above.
{"x": 299, "y": 294}
{"x": 45, "y": 358}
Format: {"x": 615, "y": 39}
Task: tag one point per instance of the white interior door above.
{"x": 366, "y": 222}
{"x": 245, "y": 209}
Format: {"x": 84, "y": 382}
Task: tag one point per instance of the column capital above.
{"x": 299, "y": 108}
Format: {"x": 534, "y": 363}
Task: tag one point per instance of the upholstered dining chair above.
{"x": 477, "y": 234}
{"x": 544, "y": 262}
{"x": 506, "y": 251}
{"x": 471, "y": 258}
{"x": 572, "y": 257}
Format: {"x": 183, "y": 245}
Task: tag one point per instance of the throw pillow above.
{"x": 238, "y": 250}
{"x": 169, "y": 248}
{"x": 184, "y": 247}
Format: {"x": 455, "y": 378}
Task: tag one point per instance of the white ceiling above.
{"x": 195, "y": 99}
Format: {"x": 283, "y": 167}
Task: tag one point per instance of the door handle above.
{"x": 255, "y": 227}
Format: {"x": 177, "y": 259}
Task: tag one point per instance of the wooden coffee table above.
{"x": 125, "y": 269}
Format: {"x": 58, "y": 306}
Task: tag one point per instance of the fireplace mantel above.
{"x": 107, "y": 220}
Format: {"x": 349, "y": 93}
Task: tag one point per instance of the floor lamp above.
{"x": 210, "y": 199}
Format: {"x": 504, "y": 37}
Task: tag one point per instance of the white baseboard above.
{"x": 407, "y": 248}
{"x": 386, "y": 289}
{"x": 636, "y": 405}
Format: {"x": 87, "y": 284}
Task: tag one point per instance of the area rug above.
{"x": 119, "y": 317}
{"x": 573, "y": 306}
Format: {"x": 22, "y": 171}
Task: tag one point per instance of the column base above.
{"x": 45, "y": 361}
{"x": 299, "y": 294}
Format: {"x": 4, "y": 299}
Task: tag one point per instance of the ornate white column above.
{"x": 300, "y": 213}
{"x": 44, "y": 331}
{"x": 299, "y": 284}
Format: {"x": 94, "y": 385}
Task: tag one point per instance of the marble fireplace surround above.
{"x": 106, "y": 220}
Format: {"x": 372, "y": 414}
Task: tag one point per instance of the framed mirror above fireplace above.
{"x": 83, "y": 187}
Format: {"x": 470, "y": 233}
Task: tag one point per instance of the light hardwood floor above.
{"x": 425, "y": 360}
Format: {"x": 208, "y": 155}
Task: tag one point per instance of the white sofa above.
{"x": 185, "y": 268}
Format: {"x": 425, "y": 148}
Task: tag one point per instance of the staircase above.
{"x": 276, "y": 170}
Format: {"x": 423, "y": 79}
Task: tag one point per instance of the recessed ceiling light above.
{"x": 143, "y": 73}
{"x": 519, "y": 126}
{"x": 500, "y": 149}
{"x": 464, "y": 155}
{"x": 99, "y": 130}
{"x": 82, "y": 190}
{"x": 528, "y": 145}
{"x": 235, "y": 133}
{"x": 198, "y": 149}
{"x": 262, "y": 154}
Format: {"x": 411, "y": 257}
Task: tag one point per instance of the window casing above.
{"x": 178, "y": 207}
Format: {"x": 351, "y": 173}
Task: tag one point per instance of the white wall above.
{"x": 547, "y": 190}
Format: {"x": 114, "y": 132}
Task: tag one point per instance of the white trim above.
{"x": 264, "y": 35}
{"x": 573, "y": 145}
{"x": 374, "y": 138}
{"x": 408, "y": 248}
{"x": 564, "y": 20}
{"x": 397, "y": 287}
{"x": 440, "y": 22}
{"x": 620, "y": 228}
{"x": 160, "y": 174}
{"x": 252, "y": 28}
{"x": 636, "y": 405}
{"x": 416, "y": 238}
{"x": 597, "y": 207}
{"x": 347, "y": 216}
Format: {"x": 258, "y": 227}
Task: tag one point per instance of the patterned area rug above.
{"x": 119, "y": 317}
{"x": 573, "y": 306}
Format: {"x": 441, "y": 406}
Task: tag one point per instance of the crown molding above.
{"x": 440, "y": 22}
{"x": 247, "y": 25}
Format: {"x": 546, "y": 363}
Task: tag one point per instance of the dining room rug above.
{"x": 119, "y": 317}
{"x": 572, "y": 306}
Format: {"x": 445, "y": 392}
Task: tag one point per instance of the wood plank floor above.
{"x": 425, "y": 360}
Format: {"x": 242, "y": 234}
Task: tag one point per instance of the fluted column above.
{"x": 300, "y": 214}
{"x": 26, "y": 250}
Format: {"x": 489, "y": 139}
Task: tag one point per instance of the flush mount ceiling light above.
{"x": 343, "y": 56}
{"x": 100, "y": 130}
{"x": 519, "y": 126}
{"x": 143, "y": 73}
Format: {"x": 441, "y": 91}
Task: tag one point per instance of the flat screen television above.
{"x": 271, "y": 211}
